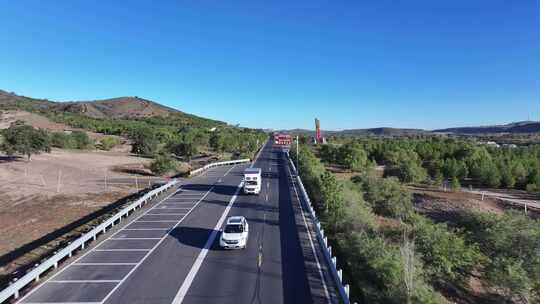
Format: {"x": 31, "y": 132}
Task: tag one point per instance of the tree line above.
{"x": 437, "y": 159}
{"x": 155, "y": 141}
{"x": 26, "y": 140}
{"x": 415, "y": 260}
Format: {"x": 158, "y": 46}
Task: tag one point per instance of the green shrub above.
{"x": 455, "y": 184}
{"x": 26, "y": 140}
{"x": 531, "y": 188}
{"x": 510, "y": 279}
{"x": 81, "y": 139}
{"x": 145, "y": 141}
{"x": 445, "y": 253}
{"x": 379, "y": 271}
{"x": 108, "y": 142}
{"x": 511, "y": 243}
{"x": 162, "y": 164}
{"x": 62, "y": 140}
{"x": 187, "y": 149}
{"x": 353, "y": 157}
{"x": 386, "y": 196}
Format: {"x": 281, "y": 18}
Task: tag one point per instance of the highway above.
{"x": 171, "y": 254}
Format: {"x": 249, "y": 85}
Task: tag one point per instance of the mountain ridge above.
{"x": 126, "y": 107}
{"x": 527, "y": 126}
{"x": 514, "y": 127}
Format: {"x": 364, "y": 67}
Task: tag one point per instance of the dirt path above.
{"x": 508, "y": 198}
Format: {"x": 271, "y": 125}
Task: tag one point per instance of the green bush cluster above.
{"x": 73, "y": 140}
{"x": 25, "y": 140}
{"x": 386, "y": 196}
{"x": 350, "y": 155}
{"x": 511, "y": 244}
{"x": 373, "y": 263}
{"x": 162, "y": 164}
{"x": 182, "y": 134}
{"x": 415, "y": 160}
{"x": 500, "y": 249}
{"x": 108, "y": 142}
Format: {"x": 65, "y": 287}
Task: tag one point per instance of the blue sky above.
{"x": 279, "y": 64}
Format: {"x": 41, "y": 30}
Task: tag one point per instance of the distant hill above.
{"x": 114, "y": 108}
{"x": 383, "y": 132}
{"x": 363, "y": 132}
{"x": 515, "y": 127}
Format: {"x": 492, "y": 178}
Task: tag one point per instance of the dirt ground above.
{"x": 57, "y": 188}
{"x": 37, "y": 121}
{"x": 446, "y": 205}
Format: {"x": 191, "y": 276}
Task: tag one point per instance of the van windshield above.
{"x": 251, "y": 183}
{"x": 234, "y": 229}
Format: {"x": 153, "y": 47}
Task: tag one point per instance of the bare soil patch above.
{"x": 58, "y": 188}
{"x": 446, "y": 206}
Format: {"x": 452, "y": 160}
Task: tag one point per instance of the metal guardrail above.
{"x": 331, "y": 260}
{"x": 34, "y": 275}
{"x": 13, "y": 291}
{"x": 225, "y": 163}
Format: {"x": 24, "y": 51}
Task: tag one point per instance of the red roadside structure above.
{"x": 317, "y": 131}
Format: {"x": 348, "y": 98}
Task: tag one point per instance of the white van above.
{"x": 252, "y": 180}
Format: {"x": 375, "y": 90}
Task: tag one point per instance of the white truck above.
{"x": 252, "y": 180}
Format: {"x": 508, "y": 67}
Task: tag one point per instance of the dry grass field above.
{"x": 58, "y": 188}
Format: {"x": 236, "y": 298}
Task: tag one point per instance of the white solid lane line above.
{"x": 154, "y": 247}
{"x": 119, "y": 231}
{"x": 179, "y": 191}
{"x": 160, "y": 241}
{"x": 181, "y": 294}
{"x": 96, "y": 248}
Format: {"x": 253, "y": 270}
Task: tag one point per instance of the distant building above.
{"x": 490, "y": 144}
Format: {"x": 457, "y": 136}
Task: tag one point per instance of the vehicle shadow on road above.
{"x": 196, "y": 237}
{"x": 218, "y": 188}
{"x": 244, "y": 205}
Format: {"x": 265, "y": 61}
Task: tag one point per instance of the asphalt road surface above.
{"x": 171, "y": 254}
